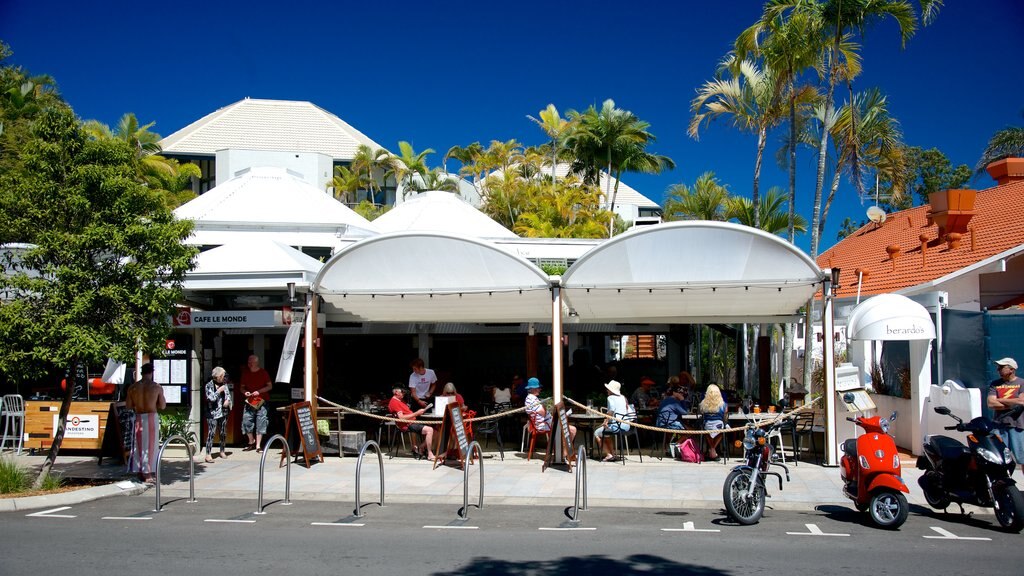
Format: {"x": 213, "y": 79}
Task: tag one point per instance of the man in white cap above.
{"x": 1005, "y": 393}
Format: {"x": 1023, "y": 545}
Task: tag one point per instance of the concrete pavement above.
{"x": 513, "y": 481}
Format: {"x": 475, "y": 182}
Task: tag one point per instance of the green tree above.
{"x": 705, "y": 201}
{"x": 924, "y": 172}
{"x": 1006, "y": 143}
{"x": 558, "y": 129}
{"x": 435, "y": 179}
{"x": 406, "y": 164}
{"x": 847, "y": 228}
{"x": 104, "y": 263}
{"x": 772, "y": 211}
{"x": 346, "y": 182}
{"x": 370, "y": 165}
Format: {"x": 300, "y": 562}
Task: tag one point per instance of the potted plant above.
{"x": 176, "y": 422}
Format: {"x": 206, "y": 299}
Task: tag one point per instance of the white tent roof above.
{"x": 252, "y": 265}
{"x": 890, "y": 317}
{"x": 690, "y": 271}
{"x": 271, "y": 203}
{"x": 438, "y": 211}
{"x": 432, "y": 277}
{"x": 677, "y": 272}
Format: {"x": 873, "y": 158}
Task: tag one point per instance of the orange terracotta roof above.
{"x": 997, "y": 226}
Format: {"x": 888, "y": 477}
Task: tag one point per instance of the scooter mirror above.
{"x": 849, "y": 398}
{"x": 894, "y": 415}
{"x": 944, "y": 410}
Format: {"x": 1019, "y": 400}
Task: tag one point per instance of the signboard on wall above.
{"x": 187, "y": 318}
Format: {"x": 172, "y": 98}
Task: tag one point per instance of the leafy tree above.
{"x": 369, "y": 210}
{"x": 774, "y": 216}
{"x": 103, "y": 261}
{"x": 705, "y": 201}
{"x": 435, "y": 179}
{"x": 346, "y": 182}
{"x": 370, "y": 165}
{"x": 924, "y": 172}
{"x": 847, "y": 228}
{"x": 557, "y": 128}
{"x": 406, "y": 164}
{"x": 1006, "y": 143}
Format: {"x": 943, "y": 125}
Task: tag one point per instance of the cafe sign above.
{"x": 187, "y": 318}
{"x": 80, "y": 426}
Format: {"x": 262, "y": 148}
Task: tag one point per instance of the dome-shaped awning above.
{"x": 689, "y": 272}
{"x": 432, "y": 277}
{"x": 890, "y": 317}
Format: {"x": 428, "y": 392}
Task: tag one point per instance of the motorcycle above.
{"x": 744, "y": 492}
{"x": 871, "y": 473}
{"x": 979, "y": 473}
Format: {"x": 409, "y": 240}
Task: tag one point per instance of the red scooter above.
{"x": 871, "y": 473}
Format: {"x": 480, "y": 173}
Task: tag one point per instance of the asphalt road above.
{"x": 124, "y": 536}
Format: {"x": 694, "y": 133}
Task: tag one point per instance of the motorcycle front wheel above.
{"x": 742, "y": 508}
{"x": 1009, "y": 508}
{"x": 888, "y": 509}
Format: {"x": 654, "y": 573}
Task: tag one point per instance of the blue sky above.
{"x": 451, "y": 73}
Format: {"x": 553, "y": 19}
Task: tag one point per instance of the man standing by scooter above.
{"x": 1005, "y": 393}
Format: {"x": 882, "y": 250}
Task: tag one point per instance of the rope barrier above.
{"x": 424, "y": 422}
{"x": 756, "y": 424}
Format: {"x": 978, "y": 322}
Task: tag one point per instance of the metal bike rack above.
{"x": 474, "y": 445}
{"x": 581, "y": 480}
{"x": 191, "y": 470}
{"x": 287, "y": 474}
{"x": 359, "y": 468}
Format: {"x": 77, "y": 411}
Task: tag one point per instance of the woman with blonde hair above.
{"x": 714, "y": 410}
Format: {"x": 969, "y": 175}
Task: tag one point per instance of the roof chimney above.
{"x": 1006, "y": 170}
{"x": 893, "y": 250}
{"x": 952, "y": 210}
{"x": 924, "y": 249}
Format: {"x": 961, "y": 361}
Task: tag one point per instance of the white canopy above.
{"x": 890, "y": 317}
{"x": 690, "y": 272}
{"x": 251, "y": 265}
{"x": 432, "y": 277}
{"x": 438, "y": 211}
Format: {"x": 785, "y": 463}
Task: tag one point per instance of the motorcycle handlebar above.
{"x": 949, "y": 427}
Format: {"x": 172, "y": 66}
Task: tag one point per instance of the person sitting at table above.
{"x": 616, "y": 407}
{"x": 536, "y": 412}
{"x": 644, "y": 396}
{"x": 714, "y": 409}
{"x": 671, "y": 408}
{"x": 402, "y": 411}
{"x": 502, "y": 393}
{"x": 449, "y": 391}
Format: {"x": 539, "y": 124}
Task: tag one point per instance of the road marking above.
{"x": 454, "y": 527}
{"x": 229, "y": 521}
{"x": 947, "y": 535}
{"x": 127, "y": 518}
{"x": 50, "y": 513}
{"x": 564, "y": 529}
{"x": 689, "y": 527}
{"x": 813, "y": 530}
{"x": 334, "y": 524}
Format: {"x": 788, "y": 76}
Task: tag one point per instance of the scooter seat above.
{"x": 850, "y": 447}
{"x": 948, "y": 448}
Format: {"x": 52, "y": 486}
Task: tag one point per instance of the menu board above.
{"x": 119, "y": 436}
{"x": 302, "y": 414}
{"x": 452, "y": 435}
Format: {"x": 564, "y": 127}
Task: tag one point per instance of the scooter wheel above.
{"x": 933, "y": 492}
{"x": 743, "y": 506}
{"x": 1010, "y": 508}
{"x": 888, "y": 509}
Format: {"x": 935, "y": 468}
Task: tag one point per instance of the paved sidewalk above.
{"x": 515, "y": 481}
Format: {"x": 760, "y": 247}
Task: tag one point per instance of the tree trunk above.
{"x": 828, "y": 202}
{"x": 58, "y": 433}
{"x": 762, "y": 136}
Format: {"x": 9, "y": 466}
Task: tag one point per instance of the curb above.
{"x": 122, "y": 488}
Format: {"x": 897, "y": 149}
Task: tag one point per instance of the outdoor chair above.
{"x": 13, "y": 407}
{"x": 775, "y": 434}
{"x": 491, "y": 427}
{"x": 723, "y": 446}
{"x": 625, "y": 435}
{"x": 390, "y": 428}
{"x": 801, "y": 427}
{"x": 533, "y": 436}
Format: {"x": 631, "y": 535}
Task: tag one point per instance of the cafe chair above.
{"x": 775, "y": 434}
{"x": 13, "y": 409}
{"x": 533, "y": 436}
{"x": 801, "y": 427}
{"x": 491, "y": 427}
{"x": 390, "y": 428}
{"x": 623, "y": 436}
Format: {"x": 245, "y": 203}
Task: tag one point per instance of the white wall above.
{"x": 964, "y": 402}
{"x": 316, "y": 169}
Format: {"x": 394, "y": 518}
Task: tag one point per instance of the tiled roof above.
{"x": 996, "y": 227}
{"x": 253, "y": 124}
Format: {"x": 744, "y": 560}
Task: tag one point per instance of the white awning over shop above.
{"x": 690, "y": 272}
{"x": 890, "y": 317}
{"x": 432, "y": 277}
{"x": 251, "y": 265}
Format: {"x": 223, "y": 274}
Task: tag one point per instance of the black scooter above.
{"x": 977, "y": 474}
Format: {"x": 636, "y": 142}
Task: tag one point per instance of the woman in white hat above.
{"x": 616, "y": 407}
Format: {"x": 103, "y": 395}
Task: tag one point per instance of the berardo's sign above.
{"x": 904, "y": 329}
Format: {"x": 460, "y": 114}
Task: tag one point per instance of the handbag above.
{"x": 688, "y": 451}
{"x": 255, "y": 401}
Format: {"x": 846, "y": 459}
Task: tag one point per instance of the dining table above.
{"x": 587, "y": 422}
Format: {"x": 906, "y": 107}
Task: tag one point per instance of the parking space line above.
{"x": 689, "y": 527}
{"x": 947, "y": 535}
{"x": 127, "y": 518}
{"x": 454, "y": 527}
{"x": 813, "y": 530}
{"x": 335, "y": 524}
{"x": 565, "y": 529}
{"x": 50, "y": 513}
{"x": 229, "y": 521}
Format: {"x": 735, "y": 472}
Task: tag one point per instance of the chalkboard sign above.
{"x": 562, "y": 434}
{"x": 119, "y": 435}
{"x": 302, "y": 414}
{"x": 453, "y": 435}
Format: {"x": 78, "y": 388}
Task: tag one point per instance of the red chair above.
{"x": 533, "y": 436}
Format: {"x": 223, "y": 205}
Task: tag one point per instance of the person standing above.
{"x": 256, "y": 386}
{"x": 421, "y": 382}
{"x": 146, "y": 399}
{"x": 1004, "y": 394}
{"x": 217, "y": 393}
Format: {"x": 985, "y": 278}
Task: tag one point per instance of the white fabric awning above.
{"x": 432, "y": 277}
{"x": 690, "y": 272}
{"x": 251, "y": 265}
{"x": 890, "y": 317}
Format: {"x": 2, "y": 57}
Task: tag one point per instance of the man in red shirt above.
{"x": 256, "y": 385}
{"x": 400, "y": 409}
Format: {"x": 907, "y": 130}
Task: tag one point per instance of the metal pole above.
{"x": 581, "y": 477}
{"x": 359, "y": 468}
{"x": 191, "y": 470}
{"x": 287, "y": 473}
{"x": 465, "y": 479}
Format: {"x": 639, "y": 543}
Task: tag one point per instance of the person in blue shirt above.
{"x": 671, "y": 408}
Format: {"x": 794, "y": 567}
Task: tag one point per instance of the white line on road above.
{"x": 454, "y": 527}
{"x": 564, "y": 529}
{"x": 50, "y": 513}
{"x": 947, "y": 535}
{"x": 334, "y": 524}
{"x": 127, "y": 517}
{"x": 230, "y": 521}
{"x": 689, "y": 527}
{"x": 813, "y": 530}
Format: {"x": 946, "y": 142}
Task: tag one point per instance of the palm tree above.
{"x": 406, "y": 164}
{"x": 846, "y": 228}
{"x": 470, "y": 157}
{"x": 751, "y": 98}
{"x": 346, "y": 183}
{"x": 435, "y": 179}
{"x": 774, "y": 218}
{"x": 1006, "y": 143}
{"x": 705, "y": 201}
{"x": 557, "y": 128}
{"x": 370, "y": 164}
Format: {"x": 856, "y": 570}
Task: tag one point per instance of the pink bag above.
{"x": 688, "y": 451}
